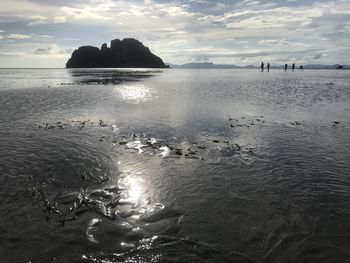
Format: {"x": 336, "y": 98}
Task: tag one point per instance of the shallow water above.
{"x": 174, "y": 165}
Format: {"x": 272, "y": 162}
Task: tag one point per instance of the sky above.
{"x": 43, "y": 33}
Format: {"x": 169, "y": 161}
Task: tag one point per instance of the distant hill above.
{"x": 210, "y": 65}
{"x": 126, "y": 53}
{"x": 318, "y": 66}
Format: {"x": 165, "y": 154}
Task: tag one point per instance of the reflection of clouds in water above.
{"x": 135, "y": 93}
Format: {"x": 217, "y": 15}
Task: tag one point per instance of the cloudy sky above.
{"x": 43, "y": 33}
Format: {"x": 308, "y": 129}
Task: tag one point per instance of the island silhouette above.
{"x": 126, "y": 53}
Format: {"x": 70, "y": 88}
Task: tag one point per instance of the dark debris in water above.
{"x": 259, "y": 121}
{"x": 111, "y": 211}
{"x": 71, "y": 124}
{"x": 335, "y": 123}
{"x": 207, "y": 149}
{"x": 245, "y": 122}
{"x": 68, "y": 206}
{"x": 297, "y": 123}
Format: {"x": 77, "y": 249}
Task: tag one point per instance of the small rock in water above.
{"x": 91, "y": 229}
{"x": 102, "y": 124}
{"x": 335, "y": 123}
{"x": 296, "y": 123}
{"x": 236, "y": 147}
{"x": 201, "y": 146}
{"x": 165, "y": 151}
{"x": 178, "y": 152}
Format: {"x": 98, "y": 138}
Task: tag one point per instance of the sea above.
{"x": 174, "y": 165}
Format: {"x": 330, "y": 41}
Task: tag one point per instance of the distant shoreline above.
{"x": 240, "y": 68}
{"x": 276, "y": 66}
{"x": 177, "y": 67}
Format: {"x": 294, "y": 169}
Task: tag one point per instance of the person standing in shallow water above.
{"x": 285, "y": 67}
{"x": 268, "y": 67}
{"x": 293, "y": 66}
{"x": 262, "y": 66}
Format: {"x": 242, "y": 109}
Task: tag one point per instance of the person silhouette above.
{"x": 262, "y": 66}
{"x": 293, "y": 66}
{"x": 268, "y": 67}
{"x": 285, "y": 67}
{"x": 301, "y": 67}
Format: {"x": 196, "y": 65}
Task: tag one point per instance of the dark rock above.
{"x": 126, "y": 53}
{"x": 116, "y": 44}
{"x": 104, "y": 48}
{"x": 85, "y": 57}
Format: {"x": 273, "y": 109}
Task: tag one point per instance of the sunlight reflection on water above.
{"x": 133, "y": 184}
{"x": 135, "y": 93}
{"x": 134, "y": 190}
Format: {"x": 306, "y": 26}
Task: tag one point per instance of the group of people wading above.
{"x": 285, "y": 67}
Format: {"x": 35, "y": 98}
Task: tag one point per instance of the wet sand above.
{"x": 174, "y": 166}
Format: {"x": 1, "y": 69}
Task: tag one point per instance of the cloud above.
{"x": 226, "y": 31}
{"x": 283, "y": 43}
{"x": 219, "y": 7}
{"x": 43, "y": 50}
{"x": 52, "y": 49}
{"x": 18, "y": 36}
{"x": 42, "y": 20}
{"x": 274, "y": 42}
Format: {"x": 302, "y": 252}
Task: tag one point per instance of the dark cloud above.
{"x": 45, "y": 50}
{"x": 52, "y": 49}
{"x": 65, "y": 51}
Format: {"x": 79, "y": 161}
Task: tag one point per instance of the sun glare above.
{"x": 135, "y": 93}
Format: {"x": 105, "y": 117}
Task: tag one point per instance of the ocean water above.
{"x": 106, "y": 165}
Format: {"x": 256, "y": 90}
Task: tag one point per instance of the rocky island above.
{"x": 126, "y": 53}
